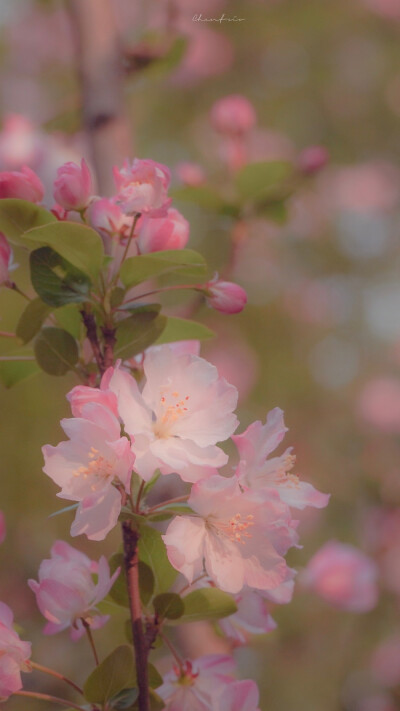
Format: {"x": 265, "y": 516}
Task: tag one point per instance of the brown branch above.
{"x": 109, "y": 344}
{"x": 101, "y": 71}
{"x": 131, "y": 559}
{"x": 91, "y": 332}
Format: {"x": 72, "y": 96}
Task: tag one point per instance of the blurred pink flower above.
{"x": 14, "y": 655}
{"x": 238, "y": 696}
{"x": 195, "y": 686}
{"x": 234, "y": 359}
{"x": 183, "y": 410}
{"x": 156, "y": 234}
{"x": 5, "y": 259}
{"x": 208, "y": 54}
{"x": 256, "y": 471}
{"x": 240, "y": 537}
{"x": 23, "y": 184}
{"x": 3, "y": 529}
{"x": 233, "y": 115}
{"x": 87, "y": 467}
{"x": 373, "y": 186}
{"x": 225, "y": 296}
{"x": 142, "y": 187}
{"x": 252, "y": 618}
{"x": 20, "y": 143}
{"x": 66, "y": 593}
{"x": 73, "y": 186}
{"x": 385, "y": 662}
{"x": 343, "y": 576}
{"x": 389, "y": 9}
{"x": 312, "y": 159}
{"x": 191, "y": 174}
{"x": 379, "y": 403}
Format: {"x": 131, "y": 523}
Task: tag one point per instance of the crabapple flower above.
{"x": 73, "y": 186}
{"x": 107, "y": 218}
{"x": 191, "y": 174}
{"x": 87, "y": 467}
{"x": 82, "y": 395}
{"x": 240, "y": 536}
{"x": 14, "y": 655}
{"x": 225, "y": 296}
{"x": 252, "y": 617}
{"x": 142, "y": 188}
{"x": 183, "y": 410}
{"x": 238, "y": 696}
{"x": 5, "y": 259}
{"x": 343, "y": 576}
{"x": 23, "y": 184}
{"x": 195, "y": 686}
{"x": 156, "y": 234}
{"x": 66, "y": 593}
{"x": 256, "y": 471}
{"x": 233, "y": 115}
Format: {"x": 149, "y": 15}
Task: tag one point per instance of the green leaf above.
{"x": 155, "y": 678}
{"x": 77, "y": 244}
{"x": 156, "y": 702}
{"x": 203, "y": 195}
{"x": 32, "y": 319}
{"x": 172, "y": 510}
{"x": 207, "y": 604}
{"x": 138, "y": 332}
{"x": 125, "y": 700}
{"x": 56, "y": 351}
{"x": 18, "y": 216}
{"x": 119, "y": 591}
{"x": 146, "y": 582}
{"x": 13, "y": 371}
{"x": 258, "y": 180}
{"x": 181, "y": 329}
{"x": 115, "y": 673}
{"x": 182, "y": 262}
{"x": 169, "y": 605}
{"x": 69, "y": 318}
{"x": 153, "y": 552}
{"x": 274, "y": 210}
{"x": 55, "y": 280}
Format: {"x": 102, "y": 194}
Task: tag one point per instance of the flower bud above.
{"x": 312, "y": 159}
{"x": 233, "y": 115}
{"x": 5, "y": 259}
{"x": 225, "y": 296}
{"x": 73, "y": 186}
{"x": 157, "y": 234}
{"x": 190, "y": 174}
{"x": 23, "y": 184}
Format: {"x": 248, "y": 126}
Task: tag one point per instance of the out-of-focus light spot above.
{"x": 382, "y": 309}
{"x": 333, "y": 362}
{"x": 363, "y": 235}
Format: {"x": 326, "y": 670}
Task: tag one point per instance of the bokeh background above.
{"x": 321, "y": 334}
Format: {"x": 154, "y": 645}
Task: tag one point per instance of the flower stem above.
{"x": 171, "y": 649}
{"x": 164, "y": 504}
{"x": 48, "y": 697}
{"x": 12, "y": 285}
{"x": 91, "y": 641}
{"x": 130, "y": 540}
{"x": 176, "y": 287}
{"x": 139, "y": 496}
{"x": 52, "y": 672}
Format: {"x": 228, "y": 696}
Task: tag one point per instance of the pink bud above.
{"x": 23, "y": 184}
{"x": 343, "y": 576}
{"x": 233, "y": 114}
{"x": 73, "y": 186}
{"x": 5, "y": 259}
{"x": 157, "y": 234}
{"x": 312, "y": 159}
{"x": 190, "y": 174}
{"x": 225, "y": 296}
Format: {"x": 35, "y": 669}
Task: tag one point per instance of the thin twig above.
{"x": 164, "y": 504}
{"x": 52, "y": 672}
{"x": 48, "y": 697}
{"x": 91, "y": 641}
{"x": 91, "y": 332}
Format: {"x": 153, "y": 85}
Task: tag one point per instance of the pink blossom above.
{"x": 107, "y": 218}
{"x": 225, "y": 296}
{"x": 73, "y": 186}
{"x": 3, "y": 529}
{"x": 23, "y": 184}
{"x": 191, "y": 174}
{"x": 233, "y": 114}
{"x": 196, "y": 686}
{"x": 20, "y": 143}
{"x": 256, "y": 471}
{"x": 183, "y": 410}
{"x": 312, "y": 159}
{"x": 240, "y": 536}
{"x": 87, "y": 467}
{"x": 379, "y": 403}
{"x": 14, "y": 655}
{"x": 385, "y": 662}
{"x": 343, "y": 576}
{"x": 66, "y": 593}
{"x": 238, "y": 696}
{"x": 252, "y": 617}
{"x": 5, "y": 259}
{"x": 142, "y": 188}
{"x": 81, "y": 395}
{"x": 156, "y": 234}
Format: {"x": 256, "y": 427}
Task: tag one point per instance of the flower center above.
{"x": 284, "y": 474}
{"x": 186, "y": 676}
{"x": 236, "y": 529}
{"x": 98, "y": 469}
{"x": 172, "y": 407}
